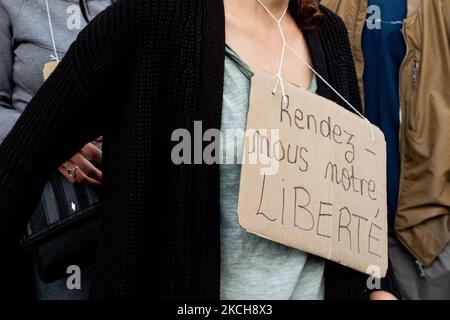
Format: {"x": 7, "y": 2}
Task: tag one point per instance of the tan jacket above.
{"x": 423, "y": 215}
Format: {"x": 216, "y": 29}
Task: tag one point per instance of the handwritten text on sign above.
{"x": 328, "y": 194}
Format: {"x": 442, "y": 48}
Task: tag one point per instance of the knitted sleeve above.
{"x": 343, "y": 73}
{"x": 8, "y": 116}
{"x": 65, "y": 114}
{"x": 344, "y": 283}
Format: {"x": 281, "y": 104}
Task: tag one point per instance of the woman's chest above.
{"x": 273, "y": 52}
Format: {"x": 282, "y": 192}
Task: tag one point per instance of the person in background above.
{"x": 33, "y": 35}
{"x": 401, "y": 51}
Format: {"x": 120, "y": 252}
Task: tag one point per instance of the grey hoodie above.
{"x": 26, "y": 46}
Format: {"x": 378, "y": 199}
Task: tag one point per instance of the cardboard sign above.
{"x": 313, "y": 179}
{"x": 49, "y": 67}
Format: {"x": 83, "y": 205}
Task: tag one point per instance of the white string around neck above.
{"x": 54, "y": 57}
{"x": 279, "y": 75}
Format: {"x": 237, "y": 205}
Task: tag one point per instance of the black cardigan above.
{"x": 140, "y": 70}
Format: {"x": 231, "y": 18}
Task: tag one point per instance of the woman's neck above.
{"x": 276, "y": 7}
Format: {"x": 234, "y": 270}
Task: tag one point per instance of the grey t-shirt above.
{"x": 254, "y": 268}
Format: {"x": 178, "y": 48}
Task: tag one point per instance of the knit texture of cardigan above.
{"x": 139, "y": 71}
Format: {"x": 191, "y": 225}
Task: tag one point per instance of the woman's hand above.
{"x": 382, "y": 295}
{"x": 79, "y": 168}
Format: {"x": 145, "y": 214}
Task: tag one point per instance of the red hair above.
{"x": 307, "y": 13}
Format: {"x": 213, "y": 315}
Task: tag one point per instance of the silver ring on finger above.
{"x": 73, "y": 171}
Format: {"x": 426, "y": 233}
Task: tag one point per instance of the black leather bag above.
{"x": 64, "y": 227}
